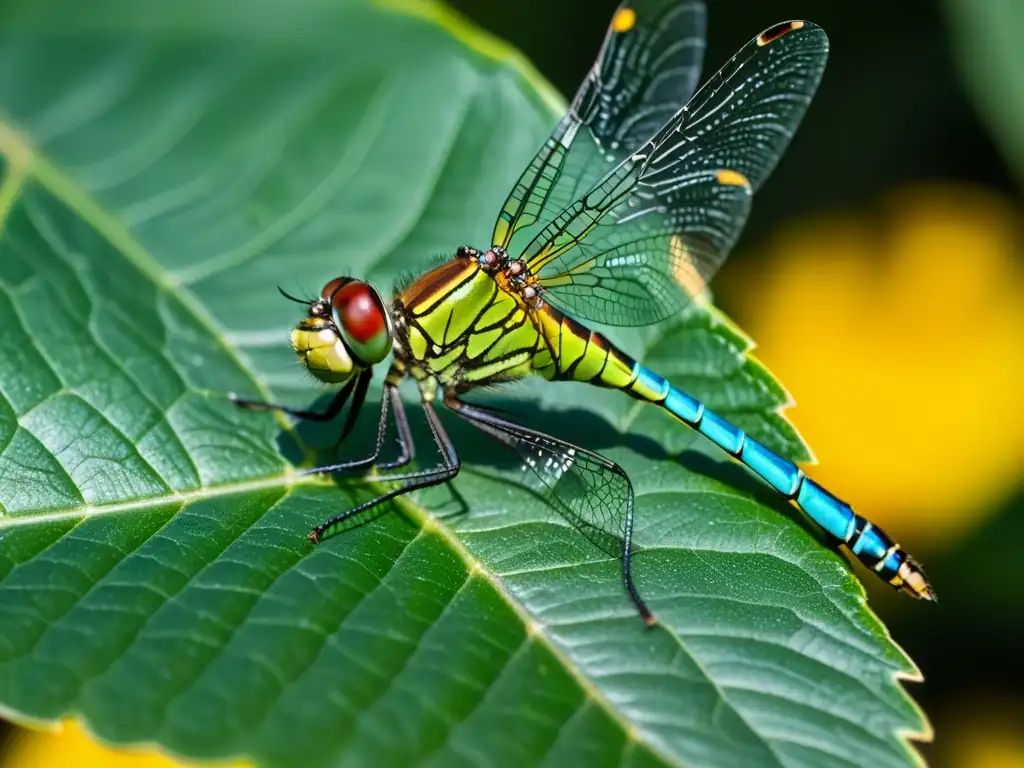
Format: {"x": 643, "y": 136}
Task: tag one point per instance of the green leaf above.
{"x": 164, "y": 169}
{"x": 985, "y": 35}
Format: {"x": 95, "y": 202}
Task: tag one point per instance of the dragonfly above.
{"x": 621, "y": 218}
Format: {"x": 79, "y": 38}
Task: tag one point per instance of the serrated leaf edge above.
{"x": 759, "y": 368}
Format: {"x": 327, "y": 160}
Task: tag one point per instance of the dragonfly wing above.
{"x": 647, "y": 237}
{"x": 591, "y": 493}
{"x": 744, "y": 117}
{"x": 648, "y": 67}
{"x": 643, "y": 259}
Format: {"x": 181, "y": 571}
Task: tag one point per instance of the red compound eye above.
{"x": 360, "y": 316}
{"x": 332, "y": 287}
{"x": 358, "y": 311}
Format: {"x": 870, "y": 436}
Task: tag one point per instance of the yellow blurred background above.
{"x": 903, "y": 350}
{"x": 72, "y": 746}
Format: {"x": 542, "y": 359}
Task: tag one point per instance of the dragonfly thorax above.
{"x": 495, "y": 261}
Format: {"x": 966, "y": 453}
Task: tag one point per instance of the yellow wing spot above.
{"x": 624, "y": 20}
{"x": 779, "y": 30}
{"x": 682, "y": 267}
{"x": 732, "y": 179}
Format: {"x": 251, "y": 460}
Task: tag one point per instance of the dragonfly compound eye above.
{"x": 363, "y": 321}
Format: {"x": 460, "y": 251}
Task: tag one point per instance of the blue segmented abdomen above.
{"x": 868, "y": 542}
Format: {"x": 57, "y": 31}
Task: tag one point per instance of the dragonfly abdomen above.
{"x": 867, "y": 541}
{"x": 573, "y": 352}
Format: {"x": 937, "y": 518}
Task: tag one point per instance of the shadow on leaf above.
{"x": 478, "y": 451}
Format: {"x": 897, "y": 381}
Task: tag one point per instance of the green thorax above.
{"x": 466, "y": 327}
{"x": 458, "y": 324}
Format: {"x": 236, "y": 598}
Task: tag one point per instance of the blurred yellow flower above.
{"x": 986, "y": 734}
{"x": 901, "y": 337}
{"x": 72, "y": 746}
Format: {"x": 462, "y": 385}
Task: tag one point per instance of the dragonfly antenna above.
{"x": 290, "y": 297}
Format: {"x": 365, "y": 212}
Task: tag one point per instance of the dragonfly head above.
{"x": 348, "y": 329}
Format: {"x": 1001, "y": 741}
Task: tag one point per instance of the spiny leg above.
{"x": 405, "y": 441}
{"x": 358, "y": 398}
{"x": 333, "y": 408}
{"x": 591, "y": 492}
{"x": 406, "y": 445}
{"x": 360, "y": 385}
{"x": 410, "y": 481}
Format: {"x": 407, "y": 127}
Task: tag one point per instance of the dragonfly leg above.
{"x": 333, "y": 408}
{"x": 407, "y": 449}
{"x": 601, "y": 474}
{"x": 406, "y": 445}
{"x": 410, "y": 481}
{"x": 358, "y": 398}
{"x": 357, "y": 389}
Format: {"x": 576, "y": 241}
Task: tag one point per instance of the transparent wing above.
{"x": 744, "y": 117}
{"x": 593, "y": 494}
{"x": 648, "y": 66}
{"x": 648, "y": 236}
{"x": 633, "y": 254}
